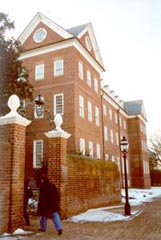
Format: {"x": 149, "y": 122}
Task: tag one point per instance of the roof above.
{"x": 77, "y": 30}
{"x": 135, "y": 107}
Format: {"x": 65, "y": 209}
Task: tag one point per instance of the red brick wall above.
{"x": 83, "y": 183}
{"x": 12, "y": 158}
{"x": 139, "y": 178}
{"x": 91, "y": 183}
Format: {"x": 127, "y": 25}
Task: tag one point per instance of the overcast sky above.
{"x": 128, "y": 34}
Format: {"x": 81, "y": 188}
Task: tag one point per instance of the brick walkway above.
{"x": 147, "y": 225}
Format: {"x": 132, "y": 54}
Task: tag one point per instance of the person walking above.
{"x": 27, "y": 194}
{"x": 48, "y": 205}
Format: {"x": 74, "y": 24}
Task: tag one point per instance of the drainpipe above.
{"x": 119, "y": 133}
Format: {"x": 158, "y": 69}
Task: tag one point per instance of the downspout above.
{"x": 10, "y": 192}
{"x": 140, "y": 152}
{"x": 119, "y": 133}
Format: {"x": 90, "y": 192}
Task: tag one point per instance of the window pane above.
{"x": 58, "y": 104}
{"x": 58, "y": 68}
{"x": 82, "y": 146}
{"x": 80, "y": 70}
{"x": 38, "y": 153}
{"x": 81, "y": 106}
{"x": 39, "y": 72}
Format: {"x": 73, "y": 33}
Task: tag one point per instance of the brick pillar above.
{"x": 57, "y": 157}
{"x": 12, "y": 162}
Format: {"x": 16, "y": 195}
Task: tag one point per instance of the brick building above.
{"x": 65, "y": 68}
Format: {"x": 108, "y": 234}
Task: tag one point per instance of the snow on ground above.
{"x": 136, "y": 197}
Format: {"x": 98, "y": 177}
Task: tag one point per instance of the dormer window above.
{"x": 88, "y": 43}
{"x": 40, "y": 35}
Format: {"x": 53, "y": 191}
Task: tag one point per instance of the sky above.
{"x": 137, "y": 197}
{"x": 128, "y": 34}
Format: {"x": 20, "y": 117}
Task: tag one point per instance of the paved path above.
{"x": 145, "y": 226}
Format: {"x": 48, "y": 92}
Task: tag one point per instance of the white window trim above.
{"x": 55, "y": 105}
{"x": 110, "y": 113}
{"x": 96, "y": 85}
{"x": 111, "y": 136}
{"x": 80, "y": 70}
{"x": 89, "y": 111}
{"x": 90, "y": 146}
{"x": 97, "y": 116}
{"x": 58, "y": 71}
{"x": 98, "y": 151}
{"x": 89, "y": 78}
{"x": 104, "y": 110}
{"x": 39, "y": 72}
{"x": 105, "y": 133}
{"x": 81, "y": 106}
{"x": 34, "y": 153}
{"x": 82, "y": 146}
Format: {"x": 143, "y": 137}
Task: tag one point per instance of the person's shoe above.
{"x": 41, "y": 230}
{"x": 60, "y": 232}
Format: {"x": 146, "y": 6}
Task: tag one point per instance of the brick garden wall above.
{"x": 90, "y": 184}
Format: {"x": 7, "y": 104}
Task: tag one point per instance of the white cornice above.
{"x": 61, "y": 45}
{"x": 14, "y": 120}
{"x": 139, "y": 116}
{"x": 55, "y": 134}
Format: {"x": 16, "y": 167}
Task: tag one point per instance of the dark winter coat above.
{"x": 48, "y": 199}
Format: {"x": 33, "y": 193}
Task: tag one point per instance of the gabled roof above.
{"x": 77, "y": 32}
{"x": 39, "y": 17}
{"x": 135, "y": 107}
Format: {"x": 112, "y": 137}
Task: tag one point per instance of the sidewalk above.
{"x": 145, "y": 226}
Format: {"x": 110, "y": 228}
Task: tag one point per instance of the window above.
{"x": 37, "y": 153}
{"x": 58, "y": 67}
{"x": 95, "y": 84}
{"x": 90, "y": 111}
{"x": 110, "y": 113}
{"x": 40, "y": 35}
{"x": 146, "y": 167}
{"x": 105, "y": 133}
{"x": 90, "y": 145}
{"x": 82, "y": 146}
{"x": 111, "y": 136}
{"x": 59, "y": 103}
{"x": 89, "y": 78}
{"x": 88, "y": 43}
{"x": 104, "y": 110}
{"x": 117, "y": 138}
{"x": 39, "y": 72}
{"x": 120, "y": 122}
{"x": 116, "y": 120}
{"x": 80, "y": 70}
{"x": 81, "y": 106}
{"x": 97, "y": 116}
{"x": 98, "y": 151}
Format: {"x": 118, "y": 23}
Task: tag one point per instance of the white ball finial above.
{"x": 58, "y": 120}
{"x": 13, "y": 103}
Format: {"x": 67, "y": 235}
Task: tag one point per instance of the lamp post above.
{"x": 124, "y": 148}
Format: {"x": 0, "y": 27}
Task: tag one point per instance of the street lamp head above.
{"x": 39, "y": 100}
{"x": 39, "y": 106}
{"x": 124, "y": 145}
